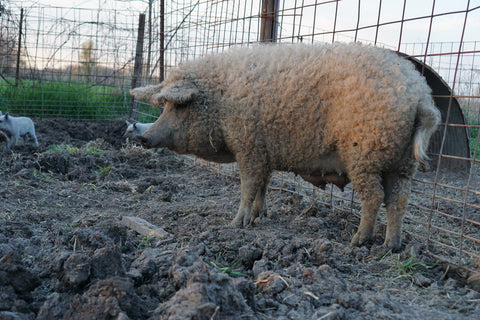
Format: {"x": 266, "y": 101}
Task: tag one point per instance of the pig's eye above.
{"x": 181, "y": 105}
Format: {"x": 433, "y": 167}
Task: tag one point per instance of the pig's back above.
{"x": 313, "y": 99}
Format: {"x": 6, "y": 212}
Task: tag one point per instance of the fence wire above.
{"x": 73, "y": 53}
{"x": 444, "y": 212}
{"x": 71, "y": 63}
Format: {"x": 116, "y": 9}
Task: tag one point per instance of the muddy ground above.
{"x": 66, "y": 254}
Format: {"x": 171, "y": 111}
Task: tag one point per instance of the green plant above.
{"x": 63, "y": 99}
{"x": 15, "y": 156}
{"x": 225, "y": 269}
{"x": 145, "y": 242}
{"x": 43, "y": 176}
{"x": 93, "y": 148}
{"x": 409, "y": 267}
{"x": 471, "y": 109}
{"x": 475, "y": 141}
{"x": 60, "y": 148}
{"x": 89, "y": 148}
{"x": 104, "y": 171}
{"x": 90, "y": 186}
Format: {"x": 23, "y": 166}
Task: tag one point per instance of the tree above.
{"x": 87, "y": 60}
{"x": 8, "y": 41}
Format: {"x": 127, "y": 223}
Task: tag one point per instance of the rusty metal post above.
{"x": 17, "y": 71}
{"x": 162, "y": 40}
{"x": 268, "y": 28}
{"x": 137, "y": 69}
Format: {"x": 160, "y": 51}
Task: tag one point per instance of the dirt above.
{"x": 66, "y": 254}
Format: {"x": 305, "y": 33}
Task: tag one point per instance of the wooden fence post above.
{"x": 268, "y": 28}
{"x": 137, "y": 69}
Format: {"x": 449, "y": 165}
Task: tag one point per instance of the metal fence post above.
{"x": 17, "y": 71}
{"x": 162, "y": 40}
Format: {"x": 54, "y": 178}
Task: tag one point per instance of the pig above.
{"x": 331, "y": 113}
{"x": 135, "y": 128}
{"x": 15, "y": 127}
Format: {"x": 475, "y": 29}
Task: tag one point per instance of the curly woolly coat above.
{"x": 332, "y": 113}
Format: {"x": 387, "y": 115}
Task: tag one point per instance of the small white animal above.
{"x": 14, "y": 127}
{"x": 135, "y": 128}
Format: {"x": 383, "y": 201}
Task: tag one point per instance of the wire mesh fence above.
{"x": 66, "y": 62}
{"x": 80, "y": 62}
{"x": 445, "y": 208}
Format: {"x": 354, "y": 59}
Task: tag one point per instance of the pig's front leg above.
{"x": 12, "y": 142}
{"x": 8, "y": 139}
{"x": 252, "y": 203}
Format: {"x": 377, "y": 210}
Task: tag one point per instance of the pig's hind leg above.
{"x": 34, "y": 137}
{"x": 259, "y": 205}
{"x": 397, "y": 193}
{"x": 370, "y": 192}
{"x": 31, "y": 135}
{"x": 25, "y": 138}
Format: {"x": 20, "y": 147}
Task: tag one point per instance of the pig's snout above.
{"x": 144, "y": 141}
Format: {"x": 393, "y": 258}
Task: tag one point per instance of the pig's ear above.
{"x": 179, "y": 92}
{"x": 145, "y": 93}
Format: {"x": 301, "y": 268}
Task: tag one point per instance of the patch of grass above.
{"x": 63, "y": 99}
{"x": 135, "y": 151}
{"x": 61, "y": 148}
{"x": 145, "y": 242}
{"x": 226, "y": 269}
{"x": 42, "y": 176}
{"x": 474, "y": 132}
{"x": 16, "y": 156}
{"x": 90, "y": 148}
{"x": 471, "y": 110}
{"x": 104, "y": 171}
{"x": 90, "y": 186}
{"x": 409, "y": 267}
{"x": 474, "y": 141}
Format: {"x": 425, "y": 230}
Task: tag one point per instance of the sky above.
{"x": 137, "y": 5}
{"x": 444, "y": 28}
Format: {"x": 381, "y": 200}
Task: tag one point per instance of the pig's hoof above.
{"x": 394, "y": 244}
{"x": 240, "y": 222}
{"x": 360, "y": 238}
{"x": 251, "y": 225}
{"x": 237, "y": 223}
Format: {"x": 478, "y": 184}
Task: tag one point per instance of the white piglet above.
{"x": 135, "y": 128}
{"x": 15, "y": 127}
